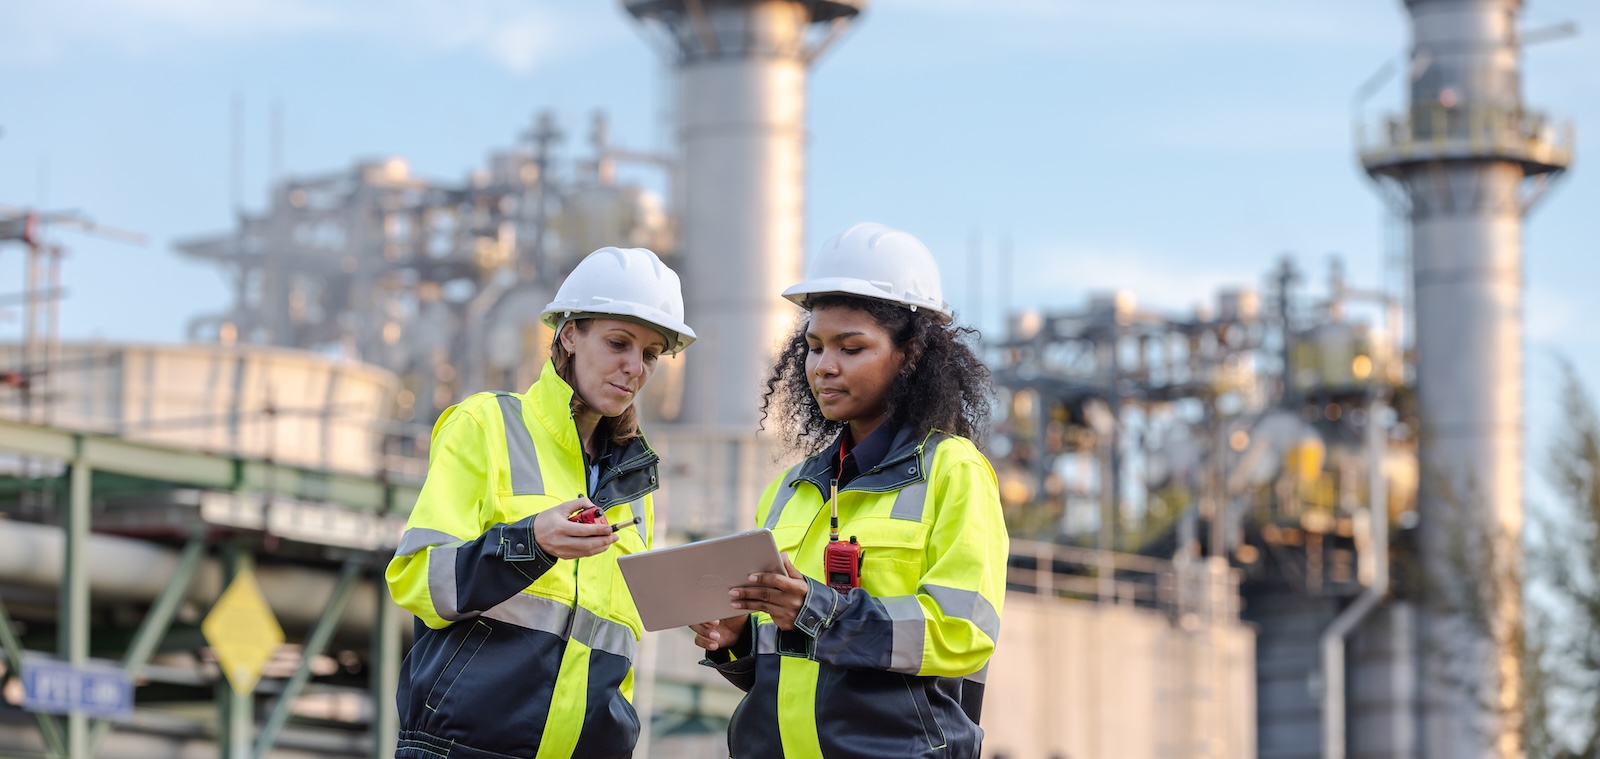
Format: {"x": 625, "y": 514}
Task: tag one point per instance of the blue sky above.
{"x": 1162, "y": 146}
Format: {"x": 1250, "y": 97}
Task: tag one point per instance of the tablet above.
{"x": 687, "y": 584}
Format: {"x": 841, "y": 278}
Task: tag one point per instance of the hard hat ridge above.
{"x": 874, "y": 261}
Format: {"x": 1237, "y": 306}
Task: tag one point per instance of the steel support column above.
{"x": 73, "y": 623}
{"x": 384, "y": 664}
{"x": 237, "y": 716}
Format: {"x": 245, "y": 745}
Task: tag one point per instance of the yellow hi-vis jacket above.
{"x": 894, "y": 668}
{"x": 517, "y": 653}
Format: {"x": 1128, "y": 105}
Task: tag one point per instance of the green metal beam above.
{"x": 200, "y": 469}
{"x": 237, "y": 711}
{"x": 154, "y": 626}
{"x": 55, "y": 746}
{"x": 73, "y": 614}
{"x": 315, "y": 642}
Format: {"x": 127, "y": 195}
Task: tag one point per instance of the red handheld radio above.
{"x": 588, "y": 515}
{"x": 841, "y": 562}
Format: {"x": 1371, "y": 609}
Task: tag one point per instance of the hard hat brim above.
{"x": 802, "y": 294}
{"x": 678, "y": 334}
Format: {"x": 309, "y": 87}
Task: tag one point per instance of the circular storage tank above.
{"x": 290, "y": 406}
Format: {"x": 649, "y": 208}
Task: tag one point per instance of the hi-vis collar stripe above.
{"x": 525, "y": 476}
{"x": 785, "y": 492}
{"x": 908, "y": 503}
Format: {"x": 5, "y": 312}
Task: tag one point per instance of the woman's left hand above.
{"x": 779, "y": 595}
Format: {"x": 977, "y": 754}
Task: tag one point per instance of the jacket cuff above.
{"x": 731, "y": 666}
{"x": 821, "y": 606}
{"x": 517, "y": 545}
{"x": 740, "y": 672}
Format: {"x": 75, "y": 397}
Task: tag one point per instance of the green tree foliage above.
{"x": 1562, "y": 648}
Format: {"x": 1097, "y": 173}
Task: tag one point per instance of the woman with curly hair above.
{"x": 880, "y": 392}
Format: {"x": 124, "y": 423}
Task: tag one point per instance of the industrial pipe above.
{"x": 1333, "y": 639}
{"x": 126, "y": 569}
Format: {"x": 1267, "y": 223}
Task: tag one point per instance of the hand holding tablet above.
{"x": 689, "y": 584}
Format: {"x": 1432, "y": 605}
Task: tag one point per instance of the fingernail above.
{"x": 752, "y": 578}
{"x": 733, "y": 593}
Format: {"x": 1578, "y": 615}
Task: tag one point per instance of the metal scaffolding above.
{"x": 92, "y": 566}
{"x": 1257, "y": 438}
{"x": 439, "y": 282}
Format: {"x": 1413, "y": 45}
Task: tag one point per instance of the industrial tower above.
{"x": 1465, "y": 163}
{"x": 741, "y": 68}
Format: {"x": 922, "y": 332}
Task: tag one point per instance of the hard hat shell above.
{"x": 623, "y": 283}
{"x": 874, "y": 261}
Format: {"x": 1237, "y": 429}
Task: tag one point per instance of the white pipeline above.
{"x": 126, "y": 569}
{"x": 1333, "y": 639}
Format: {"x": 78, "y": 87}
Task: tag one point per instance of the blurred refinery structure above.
{"x": 440, "y": 283}
{"x": 1224, "y": 544}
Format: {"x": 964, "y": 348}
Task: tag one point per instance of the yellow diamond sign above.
{"x": 242, "y": 632}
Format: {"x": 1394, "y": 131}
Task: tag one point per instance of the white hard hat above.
{"x": 623, "y": 283}
{"x": 873, "y": 261}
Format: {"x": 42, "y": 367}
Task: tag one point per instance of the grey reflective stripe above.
{"x": 910, "y": 631}
{"x": 908, "y": 503}
{"x": 603, "y": 634}
{"x": 785, "y": 492}
{"x": 981, "y": 676}
{"x": 525, "y": 477}
{"x": 442, "y": 582}
{"x": 418, "y": 538}
{"x": 966, "y": 604}
{"x": 548, "y": 615}
{"x": 766, "y": 639}
{"x": 532, "y": 612}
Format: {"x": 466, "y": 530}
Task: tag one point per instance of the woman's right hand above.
{"x": 563, "y": 538}
{"x": 723, "y": 633}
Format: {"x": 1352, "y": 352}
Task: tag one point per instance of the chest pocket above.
{"x": 629, "y": 539}
{"x": 514, "y": 508}
{"x": 893, "y": 553}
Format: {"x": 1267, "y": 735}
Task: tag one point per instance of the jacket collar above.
{"x": 552, "y": 406}
{"x": 901, "y": 466}
{"x": 551, "y": 398}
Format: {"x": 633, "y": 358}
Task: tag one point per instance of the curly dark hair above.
{"x": 942, "y": 386}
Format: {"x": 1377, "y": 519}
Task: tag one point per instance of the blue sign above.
{"x": 59, "y": 688}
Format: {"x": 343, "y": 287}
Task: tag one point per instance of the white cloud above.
{"x": 516, "y": 34}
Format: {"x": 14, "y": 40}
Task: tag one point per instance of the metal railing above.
{"x": 1466, "y": 131}
{"x": 1198, "y": 590}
